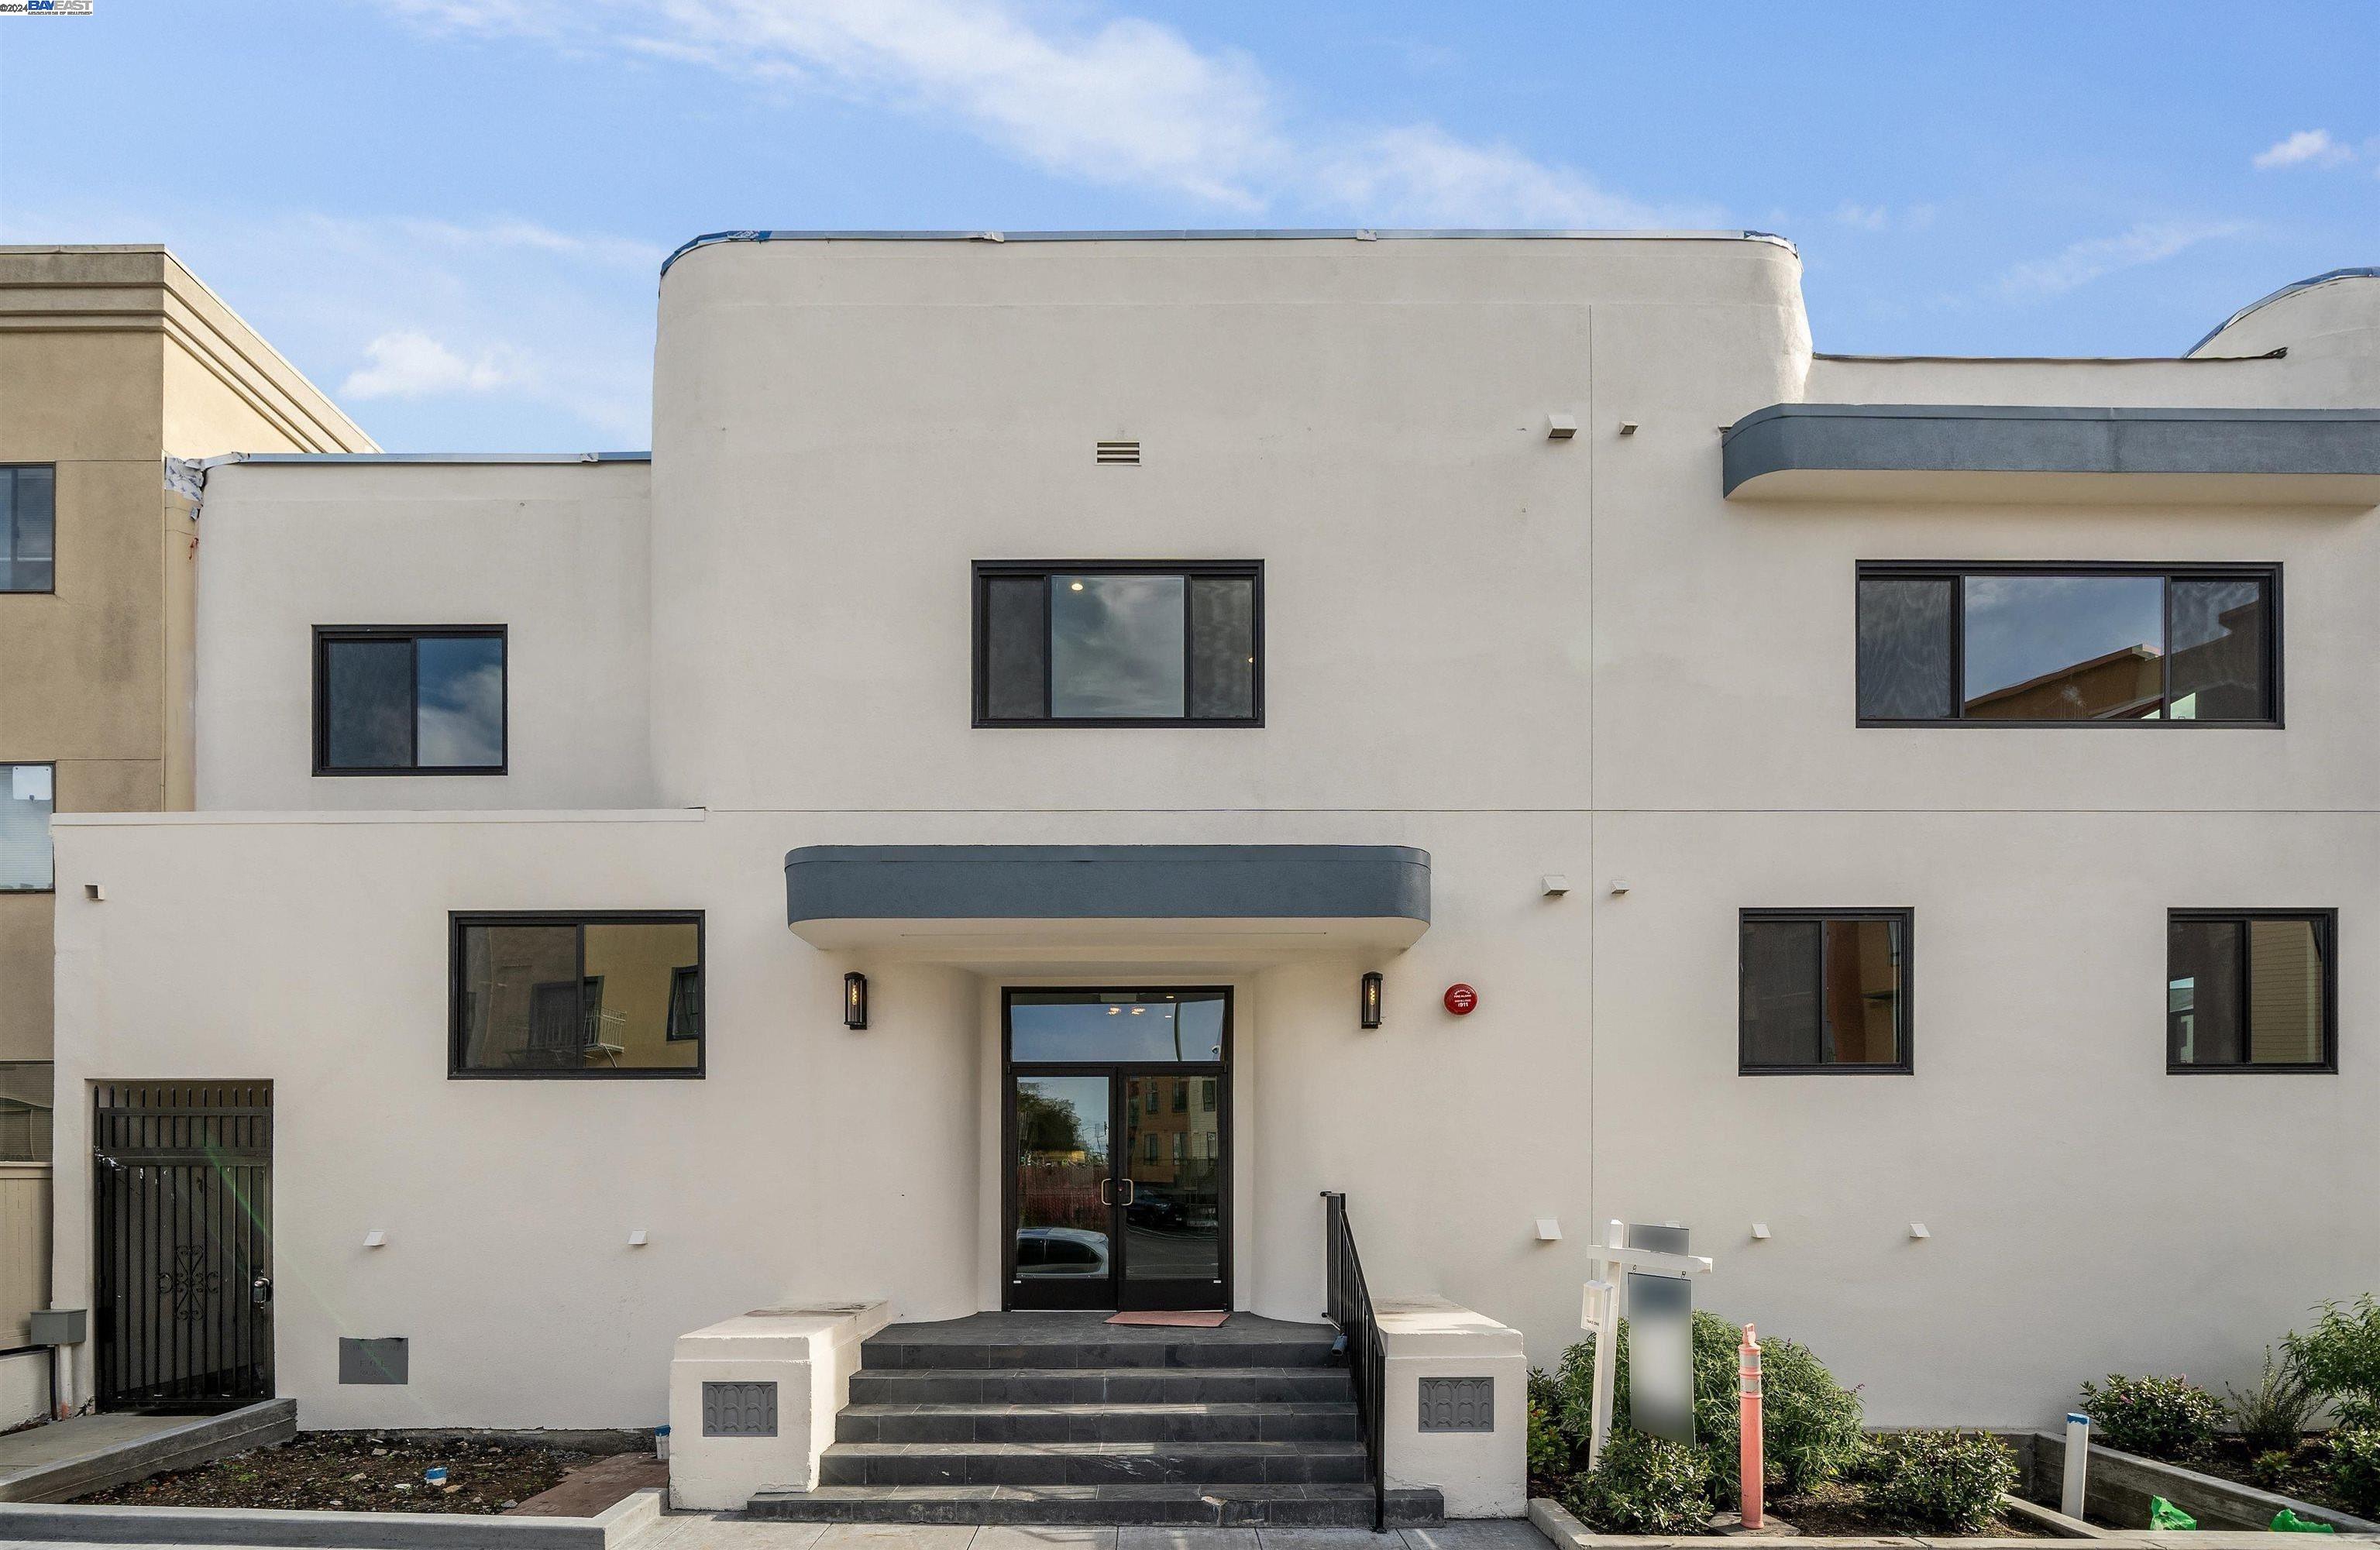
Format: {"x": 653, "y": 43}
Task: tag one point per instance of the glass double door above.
{"x": 1119, "y": 1168}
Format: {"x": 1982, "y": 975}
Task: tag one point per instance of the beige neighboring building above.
{"x": 112, "y": 359}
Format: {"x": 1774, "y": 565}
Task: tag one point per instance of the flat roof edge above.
{"x": 427, "y": 457}
{"x": 1249, "y": 234}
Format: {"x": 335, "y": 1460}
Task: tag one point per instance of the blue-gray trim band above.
{"x": 1106, "y": 882}
{"x": 1950, "y": 438}
{"x": 1291, "y": 234}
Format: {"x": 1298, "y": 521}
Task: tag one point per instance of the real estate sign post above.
{"x": 1666, "y": 1357}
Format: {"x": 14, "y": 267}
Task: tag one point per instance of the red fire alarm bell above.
{"x": 1461, "y": 998}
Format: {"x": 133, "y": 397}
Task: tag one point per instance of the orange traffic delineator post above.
{"x": 1752, "y": 1448}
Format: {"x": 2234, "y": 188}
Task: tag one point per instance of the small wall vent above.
{"x": 1117, "y": 452}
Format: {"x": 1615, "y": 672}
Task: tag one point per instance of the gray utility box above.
{"x": 57, "y": 1326}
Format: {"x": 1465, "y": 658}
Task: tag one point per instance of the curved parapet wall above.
{"x": 843, "y": 424}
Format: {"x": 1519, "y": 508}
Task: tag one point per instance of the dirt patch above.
{"x": 2303, "y": 1473}
{"x": 1843, "y": 1509}
{"x": 360, "y": 1471}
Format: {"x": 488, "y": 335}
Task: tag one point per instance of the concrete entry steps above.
{"x": 1302, "y": 1506}
{"x": 1064, "y": 1418}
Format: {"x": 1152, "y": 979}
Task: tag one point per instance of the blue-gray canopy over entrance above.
{"x": 1283, "y": 897}
{"x": 1900, "y": 451}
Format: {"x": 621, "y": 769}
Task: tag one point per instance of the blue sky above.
{"x": 451, "y": 214}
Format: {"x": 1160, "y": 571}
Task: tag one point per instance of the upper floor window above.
{"x": 1823, "y": 990}
{"x": 2029, "y": 645}
{"x": 567, "y": 995}
{"x": 29, "y": 527}
{"x": 409, "y": 701}
{"x": 1119, "y": 644}
{"x": 27, "y": 796}
{"x": 2251, "y": 990}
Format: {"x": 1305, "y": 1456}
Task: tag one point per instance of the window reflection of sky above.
{"x": 1116, "y": 646}
{"x": 461, "y": 683}
{"x": 1094, "y": 1025}
{"x": 2021, "y": 627}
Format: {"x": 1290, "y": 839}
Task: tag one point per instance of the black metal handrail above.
{"x": 1350, "y": 1307}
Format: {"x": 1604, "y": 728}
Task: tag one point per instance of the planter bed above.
{"x": 362, "y": 1472}
{"x": 2120, "y": 1486}
{"x": 1840, "y": 1511}
{"x": 2306, "y": 1477}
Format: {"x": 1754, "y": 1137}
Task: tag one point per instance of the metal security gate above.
{"x": 182, "y": 1200}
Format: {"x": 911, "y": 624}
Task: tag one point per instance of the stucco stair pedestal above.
{"x": 1062, "y": 1417}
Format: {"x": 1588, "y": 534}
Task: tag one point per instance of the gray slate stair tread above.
{"x": 1012, "y": 1374}
{"x": 1190, "y": 1407}
{"x": 1333, "y": 1506}
{"x": 941, "y": 1449}
{"x": 1129, "y": 1492}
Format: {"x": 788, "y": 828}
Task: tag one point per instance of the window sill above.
{"x": 425, "y": 770}
{"x": 1844, "y": 1068}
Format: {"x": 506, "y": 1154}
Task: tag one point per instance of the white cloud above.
{"x": 1425, "y": 175}
{"x": 2081, "y": 263}
{"x": 2314, "y": 146}
{"x": 407, "y": 363}
{"x": 1121, "y": 99}
{"x": 623, "y": 251}
{"x": 1866, "y": 217}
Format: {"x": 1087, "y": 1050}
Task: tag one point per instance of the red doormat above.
{"x": 1172, "y": 1321}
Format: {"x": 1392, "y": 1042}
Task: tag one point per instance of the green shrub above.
{"x": 1645, "y": 1486}
{"x": 2271, "y": 1470}
{"x": 1549, "y": 1455}
{"x": 2355, "y": 1468}
{"x": 1811, "y": 1423}
{"x": 2272, "y": 1416}
{"x": 1948, "y": 1480}
{"x": 2157, "y": 1418}
{"x": 2341, "y": 1358}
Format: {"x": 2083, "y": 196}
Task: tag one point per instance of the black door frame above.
{"x": 182, "y": 1244}
{"x": 1118, "y": 1289}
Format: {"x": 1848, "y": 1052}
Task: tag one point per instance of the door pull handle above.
{"x": 1132, "y": 1185}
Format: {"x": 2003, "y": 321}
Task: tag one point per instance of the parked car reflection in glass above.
{"x": 1060, "y": 1251}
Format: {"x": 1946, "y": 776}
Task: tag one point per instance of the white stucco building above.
{"x": 1880, "y": 799}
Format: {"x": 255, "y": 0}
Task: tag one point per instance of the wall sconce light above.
{"x": 1370, "y": 1002}
{"x": 855, "y": 1000}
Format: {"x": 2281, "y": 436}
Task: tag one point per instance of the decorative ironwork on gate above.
{"x": 182, "y": 1198}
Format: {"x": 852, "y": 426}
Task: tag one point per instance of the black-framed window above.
{"x": 1119, "y": 642}
{"x": 611, "y": 993}
{"x": 29, "y": 527}
{"x": 27, "y": 799}
{"x": 1823, "y": 990}
{"x": 2251, "y": 990}
{"x": 410, "y": 700}
{"x": 2035, "y": 645}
